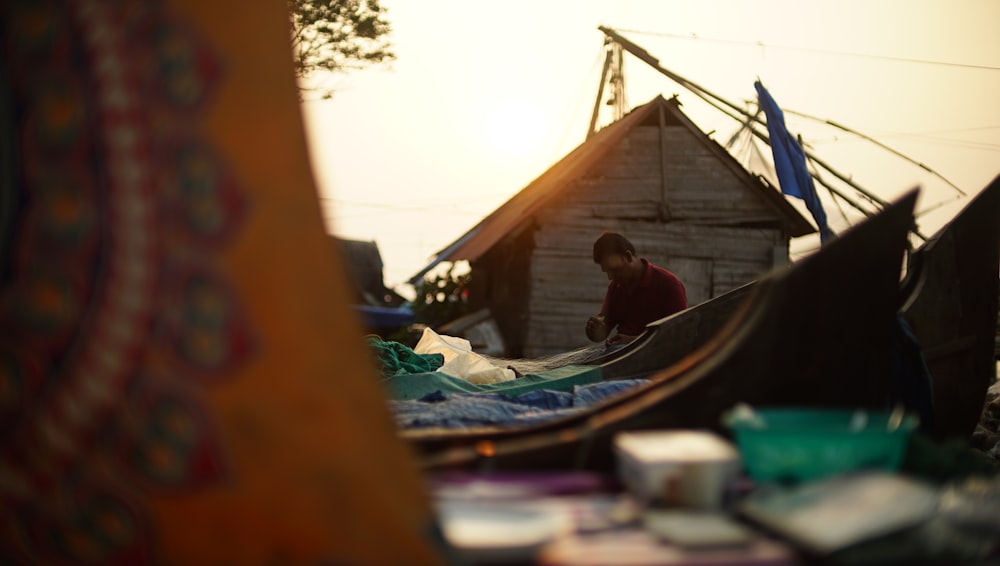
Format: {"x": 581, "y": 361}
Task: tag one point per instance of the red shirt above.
{"x": 658, "y": 293}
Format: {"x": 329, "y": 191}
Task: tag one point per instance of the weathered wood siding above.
{"x": 689, "y": 213}
{"x": 500, "y": 282}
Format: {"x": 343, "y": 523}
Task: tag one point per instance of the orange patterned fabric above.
{"x": 181, "y": 378}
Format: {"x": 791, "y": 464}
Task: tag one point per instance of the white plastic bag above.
{"x": 459, "y": 359}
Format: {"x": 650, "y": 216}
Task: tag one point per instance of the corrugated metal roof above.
{"x": 522, "y": 206}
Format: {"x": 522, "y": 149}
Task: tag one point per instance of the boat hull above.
{"x": 951, "y": 305}
{"x": 816, "y": 334}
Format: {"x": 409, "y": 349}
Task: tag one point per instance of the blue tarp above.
{"x": 464, "y": 410}
{"x": 790, "y": 161}
{"x": 384, "y": 317}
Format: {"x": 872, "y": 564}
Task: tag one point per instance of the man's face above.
{"x": 618, "y": 267}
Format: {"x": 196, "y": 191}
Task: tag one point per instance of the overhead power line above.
{"x": 761, "y": 44}
{"x": 398, "y": 207}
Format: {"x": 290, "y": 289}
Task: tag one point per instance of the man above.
{"x": 638, "y": 293}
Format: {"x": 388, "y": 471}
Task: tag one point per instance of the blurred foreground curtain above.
{"x": 181, "y": 378}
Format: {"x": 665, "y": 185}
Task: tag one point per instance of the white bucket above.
{"x": 682, "y": 468}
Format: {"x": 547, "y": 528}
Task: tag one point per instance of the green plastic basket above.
{"x": 787, "y": 445}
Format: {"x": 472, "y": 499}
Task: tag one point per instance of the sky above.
{"x": 484, "y": 96}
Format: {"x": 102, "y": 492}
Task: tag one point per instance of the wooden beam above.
{"x": 665, "y": 213}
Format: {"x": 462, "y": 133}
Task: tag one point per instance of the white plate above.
{"x": 490, "y": 531}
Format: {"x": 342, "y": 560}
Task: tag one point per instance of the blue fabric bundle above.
{"x": 465, "y": 410}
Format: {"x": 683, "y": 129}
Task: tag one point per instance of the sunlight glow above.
{"x": 515, "y": 131}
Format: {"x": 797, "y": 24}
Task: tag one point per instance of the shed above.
{"x": 654, "y": 176}
{"x": 363, "y": 263}
{"x": 381, "y": 310}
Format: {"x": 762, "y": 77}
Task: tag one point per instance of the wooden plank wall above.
{"x": 701, "y": 239}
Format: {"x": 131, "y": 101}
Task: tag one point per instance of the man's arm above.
{"x": 676, "y": 295}
{"x": 671, "y": 296}
{"x": 598, "y": 326}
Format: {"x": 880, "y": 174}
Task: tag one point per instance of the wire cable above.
{"x": 868, "y": 138}
{"x": 760, "y": 44}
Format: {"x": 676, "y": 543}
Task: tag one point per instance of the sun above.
{"x": 516, "y": 130}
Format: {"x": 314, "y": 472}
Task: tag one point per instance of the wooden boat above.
{"x": 668, "y": 340}
{"x": 816, "y": 334}
{"x": 950, "y": 301}
{"x": 948, "y": 295}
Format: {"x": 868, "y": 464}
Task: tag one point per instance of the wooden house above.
{"x": 653, "y": 176}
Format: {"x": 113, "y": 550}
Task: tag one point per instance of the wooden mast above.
{"x": 612, "y": 65}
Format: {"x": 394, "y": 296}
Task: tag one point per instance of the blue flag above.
{"x": 790, "y": 161}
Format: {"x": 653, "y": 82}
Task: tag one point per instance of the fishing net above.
{"x": 584, "y": 355}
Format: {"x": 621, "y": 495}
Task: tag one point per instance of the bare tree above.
{"x": 336, "y": 36}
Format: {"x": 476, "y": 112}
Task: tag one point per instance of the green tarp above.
{"x": 415, "y": 385}
{"x": 398, "y": 359}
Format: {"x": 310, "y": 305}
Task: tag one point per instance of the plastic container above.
{"x": 682, "y": 468}
{"x": 788, "y": 445}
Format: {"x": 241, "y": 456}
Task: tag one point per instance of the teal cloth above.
{"x": 400, "y": 359}
{"x": 414, "y": 386}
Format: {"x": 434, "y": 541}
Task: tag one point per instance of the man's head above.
{"x": 616, "y": 256}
